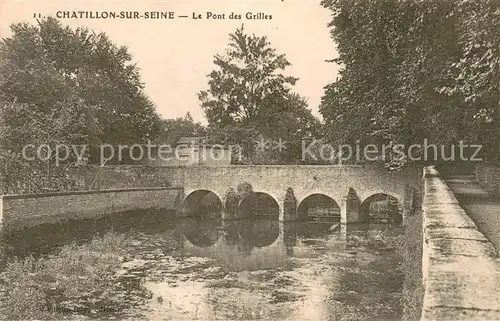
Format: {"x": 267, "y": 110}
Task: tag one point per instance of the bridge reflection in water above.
{"x": 254, "y": 238}
{"x": 255, "y": 244}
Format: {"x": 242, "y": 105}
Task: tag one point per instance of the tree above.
{"x": 410, "y": 71}
{"x": 362, "y": 104}
{"x": 246, "y": 83}
{"x": 476, "y": 74}
{"x": 293, "y": 125}
{"x": 249, "y": 99}
{"x": 64, "y": 86}
{"x": 50, "y": 66}
{"x": 35, "y": 169}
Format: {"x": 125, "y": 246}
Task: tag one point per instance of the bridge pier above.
{"x": 349, "y": 208}
{"x": 282, "y": 215}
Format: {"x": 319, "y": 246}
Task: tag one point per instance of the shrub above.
{"x": 232, "y": 201}
{"x": 77, "y": 279}
{"x": 290, "y": 203}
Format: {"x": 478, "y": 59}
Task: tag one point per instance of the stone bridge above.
{"x": 335, "y": 182}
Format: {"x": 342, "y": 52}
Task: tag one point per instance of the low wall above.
{"x": 20, "y": 211}
{"x": 489, "y": 178}
{"x": 461, "y": 275}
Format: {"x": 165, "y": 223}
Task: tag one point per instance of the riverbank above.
{"x": 411, "y": 252}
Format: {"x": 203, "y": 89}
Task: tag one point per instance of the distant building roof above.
{"x": 189, "y": 141}
{"x": 198, "y": 142}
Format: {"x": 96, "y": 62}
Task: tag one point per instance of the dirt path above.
{"x": 483, "y": 208}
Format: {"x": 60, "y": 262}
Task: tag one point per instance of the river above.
{"x": 241, "y": 270}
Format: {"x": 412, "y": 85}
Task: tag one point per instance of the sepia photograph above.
{"x": 321, "y": 160}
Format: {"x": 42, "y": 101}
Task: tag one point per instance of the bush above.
{"x": 489, "y": 178}
{"x": 78, "y": 279}
{"x": 290, "y": 204}
{"x": 232, "y": 202}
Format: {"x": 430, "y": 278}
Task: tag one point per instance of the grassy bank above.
{"x": 412, "y": 267}
{"x": 408, "y": 247}
{"x": 377, "y": 275}
{"x": 78, "y": 280}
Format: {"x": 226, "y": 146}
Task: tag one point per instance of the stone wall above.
{"x": 461, "y": 275}
{"x": 123, "y": 176}
{"x": 489, "y": 178}
{"x": 19, "y": 211}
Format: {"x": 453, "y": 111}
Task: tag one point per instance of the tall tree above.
{"x": 249, "y": 98}
{"x": 476, "y": 74}
{"x": 247, "y": 82}
{"x": 65, "y": 86}
{"x": 410, "y": 71}
{"x": 50, "y": 66}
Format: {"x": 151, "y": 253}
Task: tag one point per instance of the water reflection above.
{"x": 201, "y": 232}
{"x": 43, "y": 239}
{"x": 269, "y": 270}
{"x": 255, "y": 233}
{"x": 254, "y": 244}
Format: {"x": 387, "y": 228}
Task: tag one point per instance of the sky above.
{"x": 175, "y": 55}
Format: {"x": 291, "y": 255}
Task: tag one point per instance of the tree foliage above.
{"x": 246, "y": 85}
{"x": 414, "y": 69}
{"x": 65, "y": 86}
{"x": 249, "y": 99}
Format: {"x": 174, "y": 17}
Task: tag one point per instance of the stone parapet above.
{"x": 461, "y": 273}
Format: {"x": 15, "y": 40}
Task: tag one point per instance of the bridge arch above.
{"x": 365, "y": 194}
{"x": 202, "y": 203}
{"x": 381, "y": 206}
{"x": 318, "y": 206}
{"x": 259, "y": 205}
